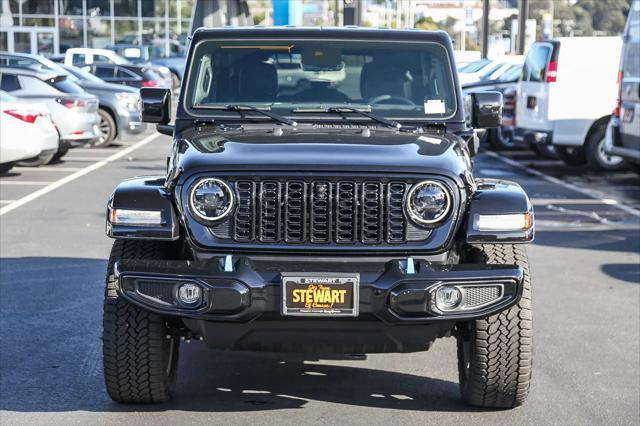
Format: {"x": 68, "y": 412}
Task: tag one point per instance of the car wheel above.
{"x": 495, "y": 353}
{"x": 596, "y": 157}
{"x": 140, "y": 361}
{"x": 5, "y": 167}
{"x": 40, "y": 160}
{"x": 501, "y": 140}
{"x": 572, "y": 156}
{"x": 61, "y": 153}
{"x": 107, "y": 128}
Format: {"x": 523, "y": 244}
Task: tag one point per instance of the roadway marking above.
{"x": 48, "y": 169}
{"x": 589, "y": 193}
{"x": 572, "y": 201}
{"x": 82, "y": 159}
{"x": 24, "y": 182}
{"x": 57, "y": 184}
{"x": 6, "y": 201}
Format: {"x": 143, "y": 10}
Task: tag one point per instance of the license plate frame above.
{"x": 332, "y": 281}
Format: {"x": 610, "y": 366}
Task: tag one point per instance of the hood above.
{"x": 300, "y": 151}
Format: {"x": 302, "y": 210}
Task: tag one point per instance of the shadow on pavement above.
{"x": 613, "y": 240}
{"x": 629, "y": 272}
{"x": 51, "y": 358}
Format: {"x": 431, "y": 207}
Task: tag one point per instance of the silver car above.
{"x": 74, "y": 111}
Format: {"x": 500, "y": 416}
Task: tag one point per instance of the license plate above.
{"x": 320, "y": 294}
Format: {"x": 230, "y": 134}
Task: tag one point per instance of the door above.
{"x": 630, "y": 81}
{"x": 533, "y": 89}
{"x": 127, "y": 77}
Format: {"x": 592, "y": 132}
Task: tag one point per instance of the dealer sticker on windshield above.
{"x": 320, "y": 294}
{"x": 434, "y": 106}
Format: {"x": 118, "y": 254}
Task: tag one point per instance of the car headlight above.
{"x": 128, "y": 100}
{"x": 428, "y": 202}
{"x": 211, "y": 199}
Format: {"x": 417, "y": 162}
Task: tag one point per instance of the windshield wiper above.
{"x": 239, "y": 108}
{"x": 362, "y": 111}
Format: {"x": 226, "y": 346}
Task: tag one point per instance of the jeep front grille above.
{"x": 323, "y": 211}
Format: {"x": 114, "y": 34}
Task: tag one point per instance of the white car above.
{"x": 486, "y": 69}
{"x": 27, "y": 134}
{"x": 566, "y": 93}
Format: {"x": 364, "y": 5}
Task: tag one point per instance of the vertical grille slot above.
{"x": 372, "y": 218}
{"x": 396, "y": 224}
{"x": 346, "y": 212}
{"x": 270, "y": 211}
{"x": 301, "y": 210}
{"x": 295, "y": 212}
{"x": 321, "y": 209}
{"x": 244, "y": 229}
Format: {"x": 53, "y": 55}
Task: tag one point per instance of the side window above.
{"x": 79, "y": 59}
{"x": 536, "y": 63}
{"x": 101, "y": 59}
{"x": 33, "y": 84}
{"x": 631, "y": 49}
{"x": 124, "y": 73}
{"x": 9, "y": 83}
{"x": 103, "y": 72}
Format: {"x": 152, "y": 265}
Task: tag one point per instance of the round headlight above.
{"x": 211, "y": 199}
{"x": 428, "y": 202}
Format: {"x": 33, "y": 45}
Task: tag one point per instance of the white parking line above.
{"x": 588, "y": 192}
{"x": 82, "y": 159}
{"x": 24, "y": 182}
{"x": 57, "y": 184}
{"x": 47, "y": 169}
{"x": 6, "y": 201}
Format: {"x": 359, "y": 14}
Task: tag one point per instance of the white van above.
{"x": 566, "y": 93}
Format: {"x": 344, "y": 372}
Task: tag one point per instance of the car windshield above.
{"x": 402, "y": 80}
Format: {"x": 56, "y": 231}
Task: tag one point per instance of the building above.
{"x": 51, "y": 26}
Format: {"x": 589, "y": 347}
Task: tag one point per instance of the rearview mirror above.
{"x": 486, "y": 110}
{"x": 156, "y": 105}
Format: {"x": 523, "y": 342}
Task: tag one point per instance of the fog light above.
{"x": 448, "y": 298}
{"x": 189, "y": 293}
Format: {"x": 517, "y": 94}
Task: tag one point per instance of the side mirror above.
{"x": 156, "y": 105}
{"x": 486, "y": 109}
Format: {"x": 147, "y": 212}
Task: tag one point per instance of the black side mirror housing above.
{"x": 486, "y": 110}
{"x": 156, "y": 105}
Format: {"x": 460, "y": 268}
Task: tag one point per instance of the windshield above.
{"x": 403, "y": 80}
{"x": 474, "y": 66}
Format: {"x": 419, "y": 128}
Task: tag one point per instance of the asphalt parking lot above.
{"x": 586, "y": 290}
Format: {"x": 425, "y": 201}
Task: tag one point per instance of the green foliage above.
{"x": 427, "y": 23}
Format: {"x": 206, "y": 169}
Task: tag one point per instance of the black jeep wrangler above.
{"x": 319, "y": 197}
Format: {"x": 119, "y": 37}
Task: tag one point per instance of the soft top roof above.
{"x": 346, "y": 33}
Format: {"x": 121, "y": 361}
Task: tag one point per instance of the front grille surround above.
{"x": 322, "y": 211}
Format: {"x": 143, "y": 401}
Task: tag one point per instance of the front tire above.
{"x": 495, "y": 353}
{"x": 107, "y": 129}
{"x": 140, "y": 362}
{"x": 597, "y": 158}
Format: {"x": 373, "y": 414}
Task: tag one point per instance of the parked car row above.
{"x": 83, "y": 108}
{"x": 575, "y": 98}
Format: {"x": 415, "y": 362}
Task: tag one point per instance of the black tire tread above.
{"x": 134, "y": 341}
{"x": 500, "y": 358}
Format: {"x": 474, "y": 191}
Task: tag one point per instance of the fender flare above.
{"x": 146, "y": 193}
{"x": 498, "y": 197}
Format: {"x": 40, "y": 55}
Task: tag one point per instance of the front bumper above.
{"x": 245, "y": 289}
{"x": 129, "y": 121}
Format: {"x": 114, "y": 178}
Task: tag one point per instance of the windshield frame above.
{"x": 197, "y": 112}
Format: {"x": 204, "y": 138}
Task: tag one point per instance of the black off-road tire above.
{"x": 140, "y": 362}
{"x": 495, "y": 353}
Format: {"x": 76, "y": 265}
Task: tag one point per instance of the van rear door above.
{"x": 533, "y": 87}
